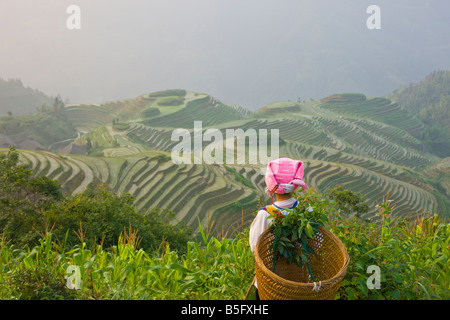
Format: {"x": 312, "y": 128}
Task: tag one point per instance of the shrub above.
{"x": 100, "y": 216}
{"x": 170, "y": 101}
{"x": 412, "y": 256}
{"x": 210, "y": 269}
{"x": 348, "y": 201}
{"x": 151, "y": 112}
{"x": 22, "y": 196}
{"x": 39, "y": 284}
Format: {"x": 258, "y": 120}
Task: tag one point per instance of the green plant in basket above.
{"x": 293, "y": 227}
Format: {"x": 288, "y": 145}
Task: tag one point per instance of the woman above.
{"x": 283, "y": 177}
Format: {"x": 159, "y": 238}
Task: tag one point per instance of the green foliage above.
{"x": 57, "y": 108}
{"x": 293, "y": 230}
{"x": 49, "y": 125}
{"x": 34, "y": 274}
{"x": 348, "y": 201}
{"x": 412, "y": 255}
{"x": 120, "y": 126}
{"x": 429, "y": 91}
{"x": 437, "y": 138}
{"x": 22, "y": 197}
{"x": 151, "y": 112}
{"x": 39, "y": 284}
{"x": 437, "y": 112}
{"x": 170, "y": 101}
{"x": 210, "y": 269}
{"x": 30, "y": 205}
{"x": 430, "y": 100}
{"x": 100, "y": 216}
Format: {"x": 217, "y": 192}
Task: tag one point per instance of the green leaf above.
{"x": 278, "y": 231}
{"x": 289, "y": 245}
{"x": 176, "y": 266}
{"x": 310, "y": 250}
{"x": 304, "y": 240}
{"x": 309, "y": 231}
{"x": 298, "y": 260}
{"x": 280, "y": 248}
{"x": 304, "y": 257}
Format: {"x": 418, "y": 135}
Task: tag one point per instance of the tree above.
{"x": 22, "y": 197}
{"x": 349, "y": 202}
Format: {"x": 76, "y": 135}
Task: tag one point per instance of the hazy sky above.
{"x": 248, "y": 52}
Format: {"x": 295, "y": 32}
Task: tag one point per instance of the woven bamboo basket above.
{"x": 289, "y": 281}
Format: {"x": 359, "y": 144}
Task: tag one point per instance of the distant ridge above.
{"x": 18, "y": 100}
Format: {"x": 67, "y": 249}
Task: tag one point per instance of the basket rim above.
{"x": 343, "y": 269}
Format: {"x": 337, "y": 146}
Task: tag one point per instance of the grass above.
{"x": 212, "y": 269}
{"x": 412, "y": 257}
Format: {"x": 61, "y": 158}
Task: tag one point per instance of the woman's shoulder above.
{"x": 262, "y": 212}
{"x": 267, "y": 210}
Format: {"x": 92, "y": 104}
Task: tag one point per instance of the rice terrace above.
{"x": 368, "y": 145}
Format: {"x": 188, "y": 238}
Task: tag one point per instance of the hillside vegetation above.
{"x": 368, "y": 145}
{"x": 430, "y": 100}
{"x": 412, "y": 256}
{"x": 42, "y": 129}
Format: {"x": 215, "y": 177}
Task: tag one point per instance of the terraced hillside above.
{"x": 367, "y": 144}
{"x": 378, "y": 109}
{"x": 189, "y": 190}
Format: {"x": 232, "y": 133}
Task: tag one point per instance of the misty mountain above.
{"x": 16, "y": 99}
{"x": 430, "y": 100}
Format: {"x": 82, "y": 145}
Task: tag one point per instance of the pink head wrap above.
{"x": 284, "y": 175}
